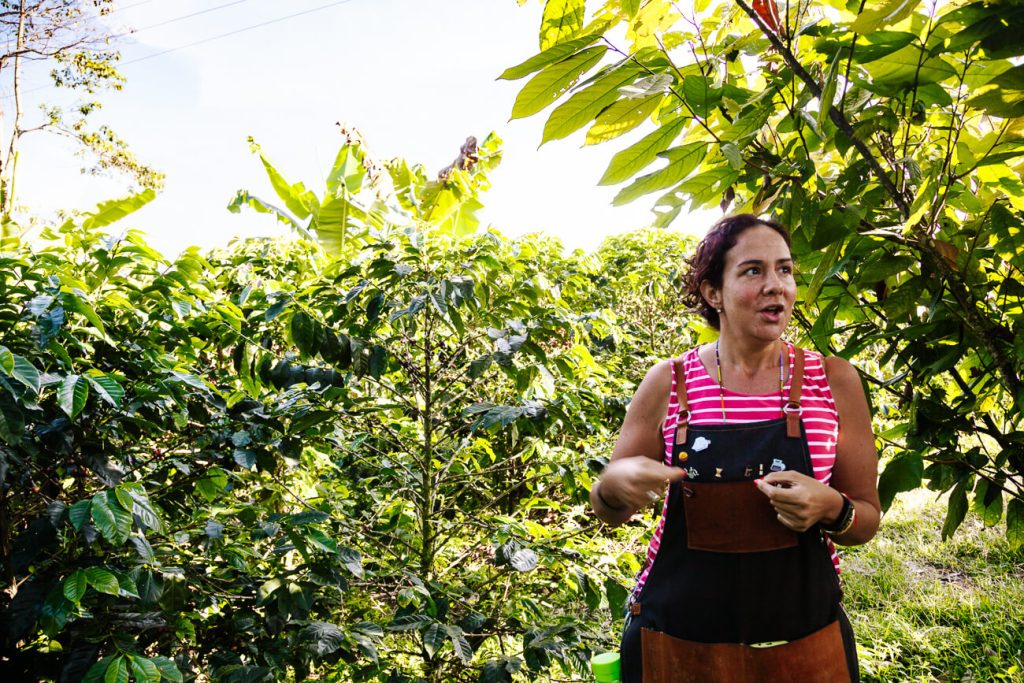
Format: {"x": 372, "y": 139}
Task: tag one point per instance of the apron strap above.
{"x": 792, "y": 407}
{"x": 679, "y": 381}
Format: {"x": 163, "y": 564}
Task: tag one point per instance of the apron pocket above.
{"x": 817, "y": 658}
{"x": 732, "y": 517}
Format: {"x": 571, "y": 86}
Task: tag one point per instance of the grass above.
{"x": 931, "y": 610}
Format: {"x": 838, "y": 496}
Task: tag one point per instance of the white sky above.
{"x": 416, "y": 77}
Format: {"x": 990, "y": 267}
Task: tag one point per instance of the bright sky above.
{"x": 416, "y": 77}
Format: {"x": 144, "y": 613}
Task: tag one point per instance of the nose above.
{"x": 772, "y": 282}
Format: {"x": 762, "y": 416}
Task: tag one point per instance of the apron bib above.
{"x": 733, "y": 594}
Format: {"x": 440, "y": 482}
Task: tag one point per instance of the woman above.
{"x": 768, "y": 456}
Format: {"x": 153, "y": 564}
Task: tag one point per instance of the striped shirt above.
{"x": 820, "y": 418}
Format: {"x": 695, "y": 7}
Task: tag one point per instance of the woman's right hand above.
{"x": 636, "y": 481}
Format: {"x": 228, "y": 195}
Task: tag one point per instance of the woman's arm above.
{"x": 635, "y": 476}
{"x": 802, "y": 501}
{"x": 855, "y": 472}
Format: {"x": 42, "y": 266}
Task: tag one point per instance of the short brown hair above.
{"x": 708, "y": 261}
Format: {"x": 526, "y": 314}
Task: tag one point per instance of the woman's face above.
{"x": 758, "y": 287}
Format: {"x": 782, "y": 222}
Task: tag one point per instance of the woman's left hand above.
{"x": 800, "y": 501}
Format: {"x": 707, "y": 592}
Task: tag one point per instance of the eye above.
{"x": 752, "y": 270}
{"x": 788, "y": 270}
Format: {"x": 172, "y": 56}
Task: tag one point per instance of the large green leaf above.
{"x": 295, "y": 196}
{"x": 637, "y": 156}
{"x": 1002, "y": 96}
{"x": 101, "y": 580}
{"x": 828, "y": 91}
{"x": 80, "y": 513}
{"x": 749, "y": 123}
{"x": 144, "y": 670}
{"x": 1015, "y": 523}
{"x": 548, "y": 85}
{"x": 409, "y": 622}
{"x": 994, "y": 27}
{"x": 168, "y": 669}
{"x": 434, "y": 638}
{"x": 243, "y": 198}
{"x": 561, "y": 21}
{"x": 908, "y": 66}
{"x": 883, "y": 14}
{"x": 116, "y": 209}
{"x": 307, "y": 333}
{"x": 75, "y": 585}
{"x": 879, "y": 44}
{"x": 96, "y": 671}
{"x": 553, "y": 54}
{"x": 106, "y": 387}
{"x": 75, "y": 303}
{"x": 681, "y": 162}
{"x": 707, "y": 186}
{"x": 903, "y": 473}
{"x": 117, "y": 672}
{"x": 348, "y": 173}
{"x": 701, "y": 95}
{"x": 323, "y": 637}
{"x": 211, "y": 486}
{"x": 617, "y": 596}
{"x": 26, "y": 373}
{"x": 957, "y": 510}
{"x": 461, "y": 645}
{"x": 107, "y": 519}
{"x": 72, "y": 394}
{"x": 121, "y": 505}
{"x": 621, "y": 117}
{"x": 585, "y": 105}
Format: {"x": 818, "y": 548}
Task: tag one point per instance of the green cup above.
{"x": 606, "y": 667}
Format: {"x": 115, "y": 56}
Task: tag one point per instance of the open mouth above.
{"x": 774, "y": 309}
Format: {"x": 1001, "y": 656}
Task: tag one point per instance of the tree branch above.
{"x": 834, "y": 113}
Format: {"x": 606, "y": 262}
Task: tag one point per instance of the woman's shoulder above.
{"x": 836, "y": 372}
{"x": 818, "y": 364}
{"x": 659, "y": 378}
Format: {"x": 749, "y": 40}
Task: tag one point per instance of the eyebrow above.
{"x": 757, "y": 262}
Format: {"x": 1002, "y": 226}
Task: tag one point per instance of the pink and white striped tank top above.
{"x": 820, "y": 418}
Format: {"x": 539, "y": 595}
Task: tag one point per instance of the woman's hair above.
{"x": 708, "y": 261}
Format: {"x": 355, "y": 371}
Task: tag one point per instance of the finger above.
{"x": 767, "y": 489}
{"x": 785, "y": 477}
{"x": 674, "y": 473}
{"x": 792, "y": 522}
{"x": 789, "y": 507}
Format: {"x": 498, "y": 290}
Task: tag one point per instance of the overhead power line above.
{"x": 181, "y": 18}
{"x": 124, "y": 7}
{"x": 198, "y": 42}
{"x": 236, "y": 32}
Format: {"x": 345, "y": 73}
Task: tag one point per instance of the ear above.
{"x": 711, "y": 294}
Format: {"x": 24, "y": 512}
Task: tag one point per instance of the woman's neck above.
{"x": 748, "y": 357}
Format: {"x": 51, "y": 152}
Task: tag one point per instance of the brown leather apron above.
{"x": 733, "y": 595}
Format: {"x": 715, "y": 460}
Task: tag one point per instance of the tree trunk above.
{"x": 10, "y": 160}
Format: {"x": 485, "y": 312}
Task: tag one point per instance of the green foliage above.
{"x": 890, "y": 139}
{"x": 71, "y": 41}
{"x": 268, "y": 462}
{"x": 363, "y": 195}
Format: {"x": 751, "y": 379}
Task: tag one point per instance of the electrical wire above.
{"x": 198, "y": 42}
{"x": 177, "y": 19}
{"x": 124, "y": 7}
{"x": 235, "y": 32}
